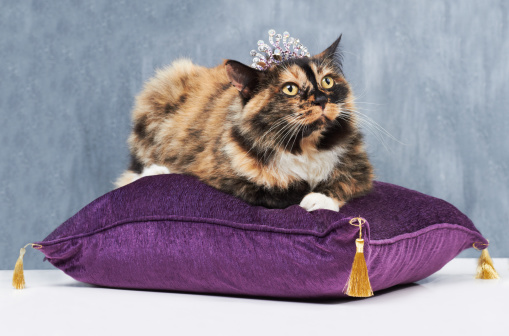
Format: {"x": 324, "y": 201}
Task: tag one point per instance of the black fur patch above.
{"x": 335, "y": 133}
{"x": 259, "y": 123}
{"x": 339, "y": 93}
{"x": 199, "y": 149}
{"x": 194, "y": 134}
{"x": 269, "y": 197}
{"x": 140, "y": 127}
{"x": 186, "y": 159}
{"x": 226, "y": 87}
{"x": 135, "y": 165}
{"x": 262, "y": 155}
{"x": 170, "y": 108}
{"x": 310, "y": 75}
{"x": 170, "y": 160}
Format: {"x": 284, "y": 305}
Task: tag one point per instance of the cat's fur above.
{"x": 233, "y": 128}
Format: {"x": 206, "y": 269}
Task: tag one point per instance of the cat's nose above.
{"x": 320, "y": 99}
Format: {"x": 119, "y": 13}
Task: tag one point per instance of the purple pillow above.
{"x": 172, "y": 232}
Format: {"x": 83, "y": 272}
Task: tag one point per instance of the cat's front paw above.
{"x": 314, "y": 201}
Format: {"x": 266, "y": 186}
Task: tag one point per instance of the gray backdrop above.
{"x": 432, "y": 73}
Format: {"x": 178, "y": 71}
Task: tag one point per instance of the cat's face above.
{"x": 300, "y": 102}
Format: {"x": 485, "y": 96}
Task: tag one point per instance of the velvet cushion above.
{"x": 172, "y": 232}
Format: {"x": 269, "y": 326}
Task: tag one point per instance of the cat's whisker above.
{"x": 378, "y": 126}
{"x": 286, "y": 127}
{"x": 301, "y": 124}
{"x": 367, "y": 124}
{"x": 286, "y": 134}
{"x": 289, "y": 132}
{"x": 280, "y": 133}
{"x": 370, "y": 127}
{"x": 361, "y": 102}
{"x": 278, "y": 123}
{"x": 292, "y": 134}
{"x": 358, "y": 113}
{"x": 355, "y": 100}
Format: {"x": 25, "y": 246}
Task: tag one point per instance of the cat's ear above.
{"x": 332, "y": 51}
{"x": 244, "y": 78}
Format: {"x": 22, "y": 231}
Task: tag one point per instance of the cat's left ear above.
{"x": 243, "y": 77}
{"x": 331, "y": 51}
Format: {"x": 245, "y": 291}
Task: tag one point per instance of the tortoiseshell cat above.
{"x": 286, "y": 135}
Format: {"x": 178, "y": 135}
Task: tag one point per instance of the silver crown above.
{"x": 283, "y": 48}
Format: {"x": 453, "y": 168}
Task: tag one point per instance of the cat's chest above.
{"x": 312, "y": 167}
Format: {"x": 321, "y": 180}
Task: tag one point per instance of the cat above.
{"x": 282, "y": 136}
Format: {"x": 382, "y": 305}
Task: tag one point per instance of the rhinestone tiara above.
{"x": 283, "y": 48}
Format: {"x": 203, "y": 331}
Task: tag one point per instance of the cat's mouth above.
{"x": 317, "y": 122}
{"x": 324, "y": 118}
{"x": 314, "y": 120}
{"x": 317, "y": 117}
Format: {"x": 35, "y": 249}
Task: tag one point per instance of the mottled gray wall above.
{"x": 433, "y": 74}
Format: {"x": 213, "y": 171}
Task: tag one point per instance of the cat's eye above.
{"x": 290, "y": 89}
{"x": 327, "y": 82}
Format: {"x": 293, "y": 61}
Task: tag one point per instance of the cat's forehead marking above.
{"x": 294, "y": 73}
{"x": 322, "y": 68}
{"x": 313, "y": 67}
{"x": 316, "y": 69}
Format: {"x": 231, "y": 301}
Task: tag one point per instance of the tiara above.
{"x": 283, "y": 48}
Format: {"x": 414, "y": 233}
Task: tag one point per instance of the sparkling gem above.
{"x": 275, "y": 50}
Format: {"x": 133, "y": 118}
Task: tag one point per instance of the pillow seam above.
{"x": 412, "y": 235}
{"x": 257, "y": 228}
{"x": 234, "y": 225}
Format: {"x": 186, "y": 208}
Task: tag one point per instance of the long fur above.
{"x": 252, "y": 140}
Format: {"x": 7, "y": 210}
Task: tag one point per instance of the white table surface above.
{"x": 450, "y": 302}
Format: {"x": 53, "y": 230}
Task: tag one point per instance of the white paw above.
{"x": 314, "y": 201}
{"x": 154, "y": 170}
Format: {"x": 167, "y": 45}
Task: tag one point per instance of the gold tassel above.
{"x": 358, "y": 284}
{"x": 485, "y": 268}
{"x": 18, "y": 278}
